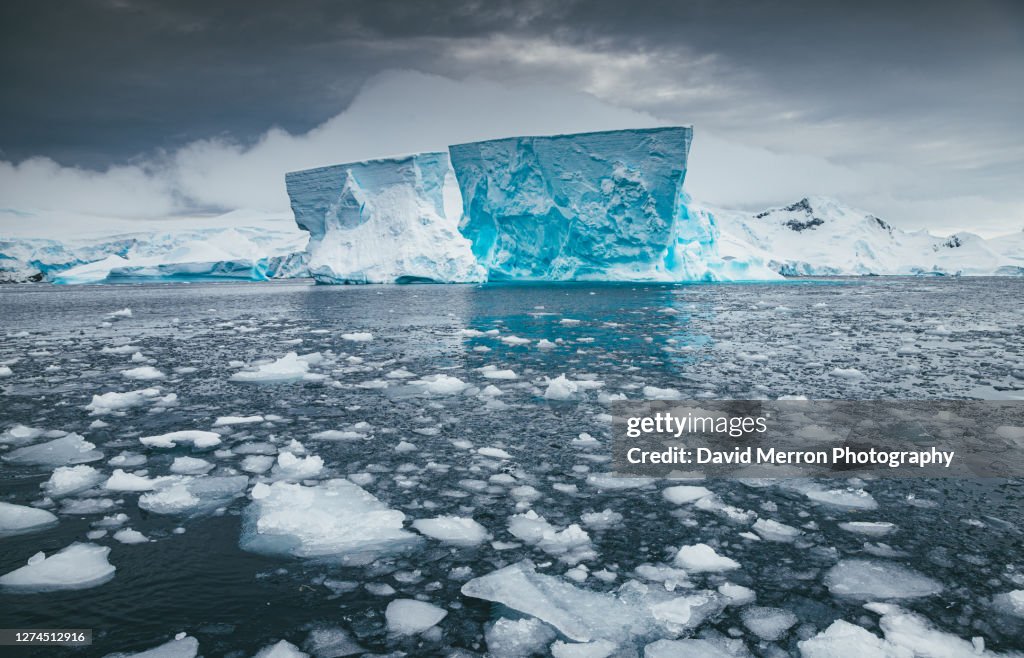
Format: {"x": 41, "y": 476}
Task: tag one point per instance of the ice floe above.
{"x": 701, "y": 558}
{"x": 78, "y": 566}
{"x": 289, "y": 368}
{"x": 20, "y": 520}
{"x": 199, "y": 439}
{"x": 409, "y": 616}
{"x": 67, "y": 450}
{"x": 67, "y": 480}
{"x": 872, "y": 579}
{"x": 455, "y": 530}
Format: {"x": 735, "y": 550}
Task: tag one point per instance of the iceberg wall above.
{"x": 381, "y": 221}
{"x": 590, "y": 206}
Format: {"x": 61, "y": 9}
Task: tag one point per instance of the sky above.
{"x": 125, "y": 113}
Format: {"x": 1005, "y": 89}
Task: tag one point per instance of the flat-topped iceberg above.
{"x": 381, "y": 221}
{"x": 592, "y": 206}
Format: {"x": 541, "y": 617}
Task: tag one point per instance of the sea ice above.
{"x": 70, "y": 449}
{"x": 870, "y": 528}
{"x": 112, "y": 402}
{"x": 78, "y": 566}
{"x": 182, "y": 646}
{"x": 775, "y": 531}
{"x": 335, "y": 520}
{"x": 1011, "y": 603}
{"x": 20, "y": 520}
{"x": 289, "y": 368}
{"x": 142, "y": 373}
{"x": 519, "y": 638}
{"x": 129, "y": 536}
{"x": 194, "y": 497}
{"x": 281, "y": 649}
{"x": 871, "y": 579}
{"x": 701, "y": 558}
{"x": 682, "y": 494}
{"x": 769, "y": 624}
{"x": 67, "y": 480}
{"x": 455, "y": 530}
{"x": 686, "y": 649}
{"x": 409, "y": 616}
{"x": 190, "y": 466}
{"x": 845, "y": 640}
{"x": 199, "y": 439}
{"x": 595, "y": 649}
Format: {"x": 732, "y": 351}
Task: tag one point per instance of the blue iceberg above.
{"x": 605, "y": 206}
{"x": 381, "y": 221}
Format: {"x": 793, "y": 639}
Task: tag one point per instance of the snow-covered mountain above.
{"x": 820, "y": 236}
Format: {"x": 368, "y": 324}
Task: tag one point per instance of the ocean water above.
{"x": 867, "y": 338}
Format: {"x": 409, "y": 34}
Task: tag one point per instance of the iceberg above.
{"x": 381, "y": 221}
{"x": 603, "y": 206}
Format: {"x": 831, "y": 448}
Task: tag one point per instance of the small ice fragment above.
{"x": 496, "y": 453}
{"x": 237, "y": 420}
{"x": 199, "y": 439}
{"x": 66, "y": 480}
{"x": 282, "y": 649}
{"x": 520, "y": 638}
{"x": 683, "y": 494}
{"x": 409, "y": 616}
{"x": 190, "y": 466}
{"x": 358, "y": 336}
{"x": 129, "y": 536}
{"x": 870, "y": 528}
{"x": 870, "y": 579}
{"x": 142, "y": 373}
{"x": 769, "y": 624}
{"x": 70, "y": 449}
{"x": 455, "y": 530}
{"x": 701, "y": 558}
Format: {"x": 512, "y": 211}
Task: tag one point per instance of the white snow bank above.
{"x": 79, "y": 566}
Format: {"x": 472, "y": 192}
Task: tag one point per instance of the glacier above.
{"x": 215, "y": 253}
{"x": 381, "y": 221}
{"x": 589, "y": 206}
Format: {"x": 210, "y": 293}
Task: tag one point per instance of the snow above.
{"x": 594, "y": 206}
{"x": 69, "y": 449}
{"x": 336, "y": 520}
{"x": 519, "y": 638}
{"x": 182, "y": 646}
{"x": 769, "y": 624}
{"x": 871, "y": 579}
{"x": 67, "y": 480}
{"x": 289, "y": 368}
{"x": 455, "y": 530}
{"x": 409, "y": 616}
{"x": 20, "y": 520}
{"x": 78, "y": 566}
{"x": 381, "y": 221}
{"x": 199, "y": 439}
{"x": 701, "y": 558}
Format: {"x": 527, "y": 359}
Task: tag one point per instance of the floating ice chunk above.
{"x": 111, "y": 402}
{"x": 409, "y": 616}
{"x": 78, "y": 566}
{"x": 257, "y": 463}
{"x": 70, "y": 449}
{"x": 358, "y": 336}
{"x": 496, "y": 453}
{"x": 845, "y": 640}
{"x": 601, "y": 520}
{"x": 775, "y": 531}
{"x": 685, "y": 649}
{"x": 455, "y": 530}
{"x": 578, "y": 614}
{"x": 1010, "y": 603}
{"x": 334, "y": 520}
{"x": 440, "y": 385}
{"x": 655, "y": 393}
{"x": 849, "y": 498}
{"x": 683, "y": 494}
{"x": 701, "y": 558}
{"x": 573, "y": 542}
{"x": 870, "y": 528}
{"x": 585, "y": 440}
{"x": 515, "y": 340}
{"x": 19, "y": 434}
{"x": 769, "y": 624}
{"x": 5, "y": 371}
{"x": 123, "y": 313}
{"x": 595, "y": 649}
{"x": 681, "y": 613}
{"x": 237, "y": 420}
{"x": 1010, "y": 432}
{"x": 612, "y": 482}
{"x": 289, "y": 368}
{"x": 847, "y": 373}
{"x": 182, "y": 646}
{"x": 331, "y": 642}
{"x": 190, "y": 466}
{"x": 82, "y": 506}
{"x": 282, "y": 649}
{"x": 142, "y": 373}
{"x": 870, "y": 579}
{"x": 670, "y": 576}
{"x": 194, "y": 497}
{"x": 121, "y": 481}
{"x": 910, "y": 631}
{"x": 199, "y": 439}
{"x": 737, "y": 594}
{"x": 20, "y": 519}
{"x": 129, "y": 536}
{"x": 563, "y": 388}
{"x": 66, "y": 480}
{"x": 492, "y": 372}
{"x": 337, "y": 435}
{"x": 290, "y": 467}
{"x": 520, "y": 638}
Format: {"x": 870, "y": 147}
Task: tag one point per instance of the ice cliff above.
{"x": 592, "y": 206}
{"x": 381, "y": 221}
